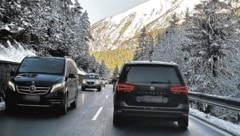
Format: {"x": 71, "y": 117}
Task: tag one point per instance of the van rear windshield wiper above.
{"x": 160, "y": 82}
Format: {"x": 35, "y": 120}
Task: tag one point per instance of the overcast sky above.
{"x": 99, "y": 9}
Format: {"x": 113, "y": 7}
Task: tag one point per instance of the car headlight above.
{"x": 84, "y": 81}
{"x": 57, "y": 87}
{"x": 97, "y": 82}
{"x": 11, "y": 85}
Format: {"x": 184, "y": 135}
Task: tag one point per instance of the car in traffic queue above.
{"x": 43, "y": 82}
{"x": 151, "y": 89}
{"x": 92, "y": 80}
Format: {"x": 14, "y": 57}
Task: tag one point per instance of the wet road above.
{"x": 93, "y": 117}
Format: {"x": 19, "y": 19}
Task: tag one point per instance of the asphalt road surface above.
{"x": 93, "y": 117}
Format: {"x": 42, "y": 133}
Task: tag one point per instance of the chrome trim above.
{"x": 31, "y": 105}
{"x": 36, "y": 91}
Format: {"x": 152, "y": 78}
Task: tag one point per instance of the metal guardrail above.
{"x": 225, "y": 102}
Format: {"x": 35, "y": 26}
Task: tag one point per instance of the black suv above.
{"x": 151, "y": 89}
{"x": 44, "y": 82}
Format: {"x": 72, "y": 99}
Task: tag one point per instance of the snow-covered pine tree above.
{"x": 169, "y": 43}
{"x": 10, "y": 15}
{"x": 115, "y": 72}
{"x": 103, "y": 71}
{"x": 84, "y": 37}
{"x": 51, "y": 28}
{"x": 211, "y": 27}
{"x": 140, "y": 50}
{"x": 144, "y": 50}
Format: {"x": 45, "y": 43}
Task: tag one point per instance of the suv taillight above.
{"x": 179, "y": 89}
{"x": 124, "y": 88}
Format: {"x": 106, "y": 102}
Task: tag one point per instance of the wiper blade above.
{"x": 27, "y": 73}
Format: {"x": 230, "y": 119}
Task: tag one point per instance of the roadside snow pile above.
{"x": 15, "y": 54}
{"x": 224, "y": 125}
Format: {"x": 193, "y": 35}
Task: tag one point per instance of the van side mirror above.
{"x": 12, "y": 73}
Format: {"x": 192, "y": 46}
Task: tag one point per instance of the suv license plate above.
{"x": 31, "y": 98}
{"x": 152, "y": 99}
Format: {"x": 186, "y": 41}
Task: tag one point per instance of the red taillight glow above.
{"x": 179, "y": 89}
{"x": 124, "y": 88}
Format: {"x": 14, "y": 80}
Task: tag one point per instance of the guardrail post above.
{"x": 238, "y": 118}
{"x": 207, "y": 108}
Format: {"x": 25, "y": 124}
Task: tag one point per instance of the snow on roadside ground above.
{"x": 14, "y": 54}
{"x": 222, "y": 124}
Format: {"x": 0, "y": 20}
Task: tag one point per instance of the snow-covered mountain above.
{"x": 122, "y": 30}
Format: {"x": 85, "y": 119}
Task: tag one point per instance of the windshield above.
{"x": 42, "y": 65}
{"x": 150, "y": 74}
{"x": 91, "y": 77}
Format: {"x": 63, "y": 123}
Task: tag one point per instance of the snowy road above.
{"x": 93, "y": 117}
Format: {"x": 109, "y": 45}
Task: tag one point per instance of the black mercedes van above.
{"x": 43, "y": 82}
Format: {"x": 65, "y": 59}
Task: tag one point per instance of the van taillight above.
{"x": 124, "y": 88}
{"x": 179, "y": 89}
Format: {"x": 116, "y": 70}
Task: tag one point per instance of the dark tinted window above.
{"x": 150, "y": 74}
{"x": 42, "y": 65}
{"x": 73, "y": 68}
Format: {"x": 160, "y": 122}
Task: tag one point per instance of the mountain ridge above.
{"x": 111, "y": 32}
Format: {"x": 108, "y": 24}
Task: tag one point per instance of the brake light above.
{"x": 179, "y": 89}
{"x": 124, "y": 88}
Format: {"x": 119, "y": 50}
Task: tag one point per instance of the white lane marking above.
{"x": 97, "y": 114}
{"x": 82, "y": 98}
{"x": 106, "y": 97}
{"x": 212, "y": 127}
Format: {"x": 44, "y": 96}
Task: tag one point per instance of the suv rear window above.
{"x": 150, "y": 74}
{"x": 42, "y": 65}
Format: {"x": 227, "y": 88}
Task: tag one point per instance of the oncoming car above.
{"x": 44, "y": 82}
{"x": 151, "y": 89}
{"x": 92, "y": 80}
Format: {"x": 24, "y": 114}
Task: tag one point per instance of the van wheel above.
{"x": 99, "y": 89}
{"x": 183, "y": 123}
{"x": 10, "y": 107}
{"x": 83, "y": 89}
{"x": 64, "y": 107}
{"x": 74, "y": 104}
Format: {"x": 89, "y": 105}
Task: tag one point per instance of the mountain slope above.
{"x": 120, "y": 31}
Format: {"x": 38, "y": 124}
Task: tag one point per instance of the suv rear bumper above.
{"x": 181, "y": 111}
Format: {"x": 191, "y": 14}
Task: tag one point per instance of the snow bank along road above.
{"x": 93, "y": 117}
